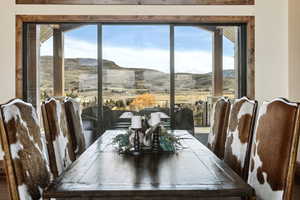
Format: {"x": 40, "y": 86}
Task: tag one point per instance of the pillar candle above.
{"x": 155, "y": 119}
{"x": 136, "y": 122}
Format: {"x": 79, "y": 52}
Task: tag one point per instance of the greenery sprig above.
{"x": 168, "y": 142}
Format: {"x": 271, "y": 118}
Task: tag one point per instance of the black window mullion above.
{"x": 172, "y": 77}
{"x": 242, "y": 70}
{"x": 24, "y": 57}
{"x": 100, "y": 126}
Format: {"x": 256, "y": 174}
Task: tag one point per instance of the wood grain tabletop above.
{"x": 192, "y": 173}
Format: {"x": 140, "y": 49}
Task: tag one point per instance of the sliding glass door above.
{"x": 193, "y": 75}
{"x": 135, "y": 69}
{"x": 81, "y": 73}
{"x": 111, "y": 69}
{"x": 205, "y": 68}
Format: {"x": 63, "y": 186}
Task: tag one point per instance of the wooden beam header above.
{"x": 134, "y": 19}
{"x": 139, "y": 2}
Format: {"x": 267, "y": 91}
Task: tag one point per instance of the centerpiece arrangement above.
{"x": 147, "y": 135}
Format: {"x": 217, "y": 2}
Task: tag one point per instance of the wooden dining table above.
{"x": 193, "y": 172}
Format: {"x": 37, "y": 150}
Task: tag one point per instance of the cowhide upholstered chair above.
{"x": 219, "y": 124}
{"x": 27, "y": 168}
{"x": 239, "y": 135}
{"x": 59, "y": 140}
{"x": 75, "y": 125}
{"x": 274, "y": 149}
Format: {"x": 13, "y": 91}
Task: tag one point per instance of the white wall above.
{"x": 272, "y": 58}
{"x": 271, "y": 70}
{"x": 7, "y": 71}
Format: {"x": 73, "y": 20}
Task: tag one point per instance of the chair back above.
{"x": 26, "y": 165}
{"x": 184, "y": 120}
{"x": 239, "y": 135}
{"x": 75, "y": 125}
{"x": 59, "y": 141}
{"x": 219, "y": 123}
{"x": 274, "y": 150}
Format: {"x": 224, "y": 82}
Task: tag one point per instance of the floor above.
{"x": 296, "y": 195}
{"x": 3, "y": 189}
{"x": 200, "y": 135}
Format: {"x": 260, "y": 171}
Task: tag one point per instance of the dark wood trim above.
{"x": 251, "y": 58}
{"x": 134, "y": 19}
{"x": 19, "y": 58}
{"x": 249, "y": 20}
{"x": 33, "y": 47}
{"x": 139, "y": 2}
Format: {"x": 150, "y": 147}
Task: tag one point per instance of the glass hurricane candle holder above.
{"x": 136, "y": 125}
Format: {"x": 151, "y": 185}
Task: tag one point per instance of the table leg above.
{"x": 252, "y": 197}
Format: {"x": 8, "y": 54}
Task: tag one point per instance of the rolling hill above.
{"x": 81, "y": 74}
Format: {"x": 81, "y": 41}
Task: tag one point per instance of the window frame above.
{"x": 246, "y": 61}
{"x": 139, "y": 2}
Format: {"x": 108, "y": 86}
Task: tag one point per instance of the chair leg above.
{"x": 249, "y": 198}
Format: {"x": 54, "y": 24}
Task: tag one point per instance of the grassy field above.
{"x": 162, "y": 99}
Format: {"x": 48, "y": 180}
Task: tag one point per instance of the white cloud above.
{"x": 46, "y": 48}
{"x": 73, "y": 48}
{"x": 185, "y": 61}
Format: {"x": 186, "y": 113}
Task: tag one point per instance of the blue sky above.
{"x": 146, "y": 46}
{"x": 157, "y": 36}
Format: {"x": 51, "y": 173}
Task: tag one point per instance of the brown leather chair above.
{"x": 239, "y": 135}
{"x": 26, "y": 163}
{"x": 59, "y": 140}
{"x": 219, "y": 123}
{"x": 73, "y": 111}
{"x": 274, "y": 149}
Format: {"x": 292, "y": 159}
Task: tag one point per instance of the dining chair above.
{"x": 219, "y": 123}
{"x": 59, "y": 140}
{"x": 184, "y": 120}
{"x": 76, "y": 130}
{"x": 27, "y": 168}
{"x": 239, "y": 135}
{"x": 274, "y": 150}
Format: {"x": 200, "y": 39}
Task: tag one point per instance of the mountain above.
{"x": 228, "y": 73}
{"x": 81, "y": 74}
